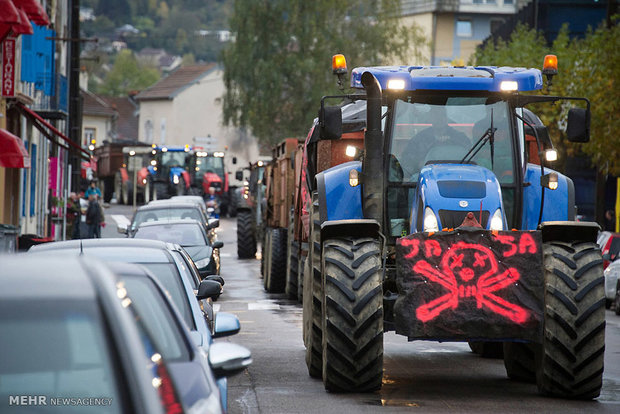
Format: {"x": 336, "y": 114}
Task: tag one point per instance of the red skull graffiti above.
{"x": 469, "y": 271}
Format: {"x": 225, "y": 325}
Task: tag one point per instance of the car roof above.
{"x": 166, "y": 223}
{"x": 48, "y": 277}
{"x": 125, "y": 250}
{"x": 166, "y": 204}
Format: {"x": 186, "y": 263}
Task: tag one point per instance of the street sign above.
{"x": 135, "y": 163}
{"x": 208, "y": 143}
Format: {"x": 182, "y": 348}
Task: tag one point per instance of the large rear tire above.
{"x": 292, "y": 259}
{"x": 276, "y": 278}
{"x": 313, "y": 295}
{"x": 352, "y": 315}
{"x": 570, "y": 364}
{"x": 246, "y": 240}
{"x": 300, "y": 271}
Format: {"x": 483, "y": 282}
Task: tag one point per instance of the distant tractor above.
{"x": 167, "y": 174}
{"x": 207, "y": 169}
{"x": 444, "y": 231}
{"x": 117, "y": 172}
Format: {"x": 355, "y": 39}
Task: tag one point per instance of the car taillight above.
{"x": 167, "y": 393}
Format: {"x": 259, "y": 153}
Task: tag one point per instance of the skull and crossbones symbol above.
{"x": 469, "y": 271}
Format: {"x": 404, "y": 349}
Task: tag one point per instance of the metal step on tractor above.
{"x": 443, "y": 230}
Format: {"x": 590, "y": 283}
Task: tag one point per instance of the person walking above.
{"x": 93, "y": 217}
{"x": 74, "y": 215}
{"x": 93, "y": 189}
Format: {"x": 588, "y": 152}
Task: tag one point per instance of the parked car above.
{"x": 167, "y": 210}
{"x": 192, "y": 235}
{"x": 189, "y": 366}
{"x": 610, "y": 246}
{"x": 172, "y": 267}
{"x": 612, "y": 276}
{"x": 64, "y": 332}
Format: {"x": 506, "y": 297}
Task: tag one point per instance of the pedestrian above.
{"x": 93, "y": 189}
{"x": 93, "y": 217}
{"x": 213, "y": 201}
{"x": 74, "y": 215}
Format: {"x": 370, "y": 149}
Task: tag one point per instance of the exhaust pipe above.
{"x": 372, "y": 167}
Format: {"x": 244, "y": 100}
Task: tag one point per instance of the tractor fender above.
{"x": 124, "y": 174}
{"x": 569, "y": 231}
{"x": 337, "y": 199}
{"x": 350, "y": 228}
{"x": 559, "y": 203}
{"x": 186, "y": 178}
{"x": 151, "y": 169}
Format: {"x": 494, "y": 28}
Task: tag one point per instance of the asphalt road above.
{"x": 418, "y": 376}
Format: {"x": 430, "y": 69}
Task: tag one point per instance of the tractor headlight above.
{"x": 551, "y": 155}
{"x": 175, "y": 179}
{"x": 350, "y": 151}
{"x": 144, "y": 181}
{"x": 497, "y": 223}
{"x": 153, "y": 163}
{"x": 203, "y": 263}
{"x": 354, "y": 178}
{"x": 430, "y": 220}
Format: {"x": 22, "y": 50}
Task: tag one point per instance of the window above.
{"x": 90, "y": 135}
{"x": 463, "y": 28}
{"x": 148, "y": 131}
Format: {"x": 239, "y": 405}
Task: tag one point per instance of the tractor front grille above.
{"x": 453, "y": 218}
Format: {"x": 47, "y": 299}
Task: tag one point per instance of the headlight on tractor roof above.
{"x": 508, "y": 86}
{"x": 350, "y": 151}
{"x": 396, "y": 84}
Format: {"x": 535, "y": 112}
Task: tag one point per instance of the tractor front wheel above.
{"x": 352, "y": 315}
{"x": 570, "y": 364}
{"x": 276, "y": 275}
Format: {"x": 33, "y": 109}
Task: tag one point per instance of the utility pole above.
{"x": 75, "y": 107}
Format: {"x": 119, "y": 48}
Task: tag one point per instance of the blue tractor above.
{"x": 167, "y": 173}
{"x": 444, "y": 229}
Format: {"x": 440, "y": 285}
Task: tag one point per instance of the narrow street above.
{"x": 424, "y": 376}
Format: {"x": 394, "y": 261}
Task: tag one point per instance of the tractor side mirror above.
{"x": 330, "y": 119}
{"x": 234, "y": 160}
{"x": 578, "y": 125}
{"x": 239, "y": 175}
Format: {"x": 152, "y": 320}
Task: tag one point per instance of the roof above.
{"x": 95, "y": 105}
{"x": 127, "y": 122}
{"x": 49, "y": 277}
{"x": 482, "y": 78}
{"x": 176, "y": 82}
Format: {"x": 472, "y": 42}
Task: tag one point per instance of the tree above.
{"x": 278, "y": 67}
{"x": 588, "y": 68}
{"x": 127, "y": 75}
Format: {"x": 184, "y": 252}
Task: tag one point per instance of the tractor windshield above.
{"x": 210, "y": 164}
{"x": 428, "y": 130}
{"x": 173, "y": 158}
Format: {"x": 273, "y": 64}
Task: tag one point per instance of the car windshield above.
{"x": 168, "y": 275}
{"x": 166, "y": 214}
{"x": 57, "y": 349}
{"x": 438, "y": 130}
{"x": 158, "y": 321}
{"x": 186, "y": 267}
{"x": 183, "y": 234}
{"x": 210, "y": 164}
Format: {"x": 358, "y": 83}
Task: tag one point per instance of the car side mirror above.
{"x": 122, "y": 229}
{"x": 218, "y": 245}
{"x": 208, "y": 289}
{"x": 227, "y": 359}
{"x": 330, "y": 120}
{"x": 213, "y": 223}
{"x": 219, "y": 279}
{"x": 239, "y": 175}
{"x": 226, "y": 324}
{"x": 578, "y": 125}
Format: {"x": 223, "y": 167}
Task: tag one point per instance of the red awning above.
{"x": 24, "y": 27}
{"x": 9, "y": 13}
{"x": 13, "y": 153}
{"x": 41, "y": 123}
